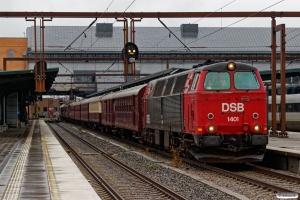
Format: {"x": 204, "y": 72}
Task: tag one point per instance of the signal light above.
{"x": 131, "y": 52}
{"x": 231, "y": 66}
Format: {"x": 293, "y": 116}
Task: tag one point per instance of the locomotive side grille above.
{"x": 169, "y": 86}
{"x": 172, "y": 113}
{"x": 165, "y": 113}
{"x": 179, "y": 85}
{"x": 159, "y": 88}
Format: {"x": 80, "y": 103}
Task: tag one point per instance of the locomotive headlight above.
{"x": 256, "y": 128}
{"x": 231, "y": 66}
{"x": 211, "y": 128}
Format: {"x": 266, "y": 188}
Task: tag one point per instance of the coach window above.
{"x": 195, "y": 80}
{"x": 217, "y": 81}
{"x": 246, "y": 81}
{"x": 289, "y": 107}
{"x": 130, "y": 104}
{"x": 297, "y": 107}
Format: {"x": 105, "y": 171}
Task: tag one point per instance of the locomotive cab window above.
{"x": 195, "y": 80}
{"x": 246, "y": 81}
{"x": 217, "y": 81}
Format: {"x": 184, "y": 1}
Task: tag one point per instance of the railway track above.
{"x": 119, "y": 180}
{"x": 264, "y": 179}
{"x": 103, "y": 189}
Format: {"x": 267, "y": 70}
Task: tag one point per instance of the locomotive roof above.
{"x": 129, "y": 91}
{"x": 222, "y": 66}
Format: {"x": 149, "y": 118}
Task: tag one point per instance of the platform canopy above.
{"x": 23, "y": 81}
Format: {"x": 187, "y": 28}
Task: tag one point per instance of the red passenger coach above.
{"x": 108, "y": 113}
{"x": 95, "y": 112}
{"x": 84, "y": 114}
{"x": 77, "y": 110}
{"x": 215, "y": 113}
{"x": 71, "y": 110}
{"x": 64, "y": 111}
{"x": 128, "y": 106}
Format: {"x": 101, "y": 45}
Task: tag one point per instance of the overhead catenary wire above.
{"x": 223, "y": 28}
{"x": 174, "y": 34}
{"x": 83, "y": 33}
{"x": 107, "y": 29}
{"x": 112, "y": 23}
{"x": 68, "y": 47}
{"x": 201, "y": 19}
{"x": 235, "y": 22}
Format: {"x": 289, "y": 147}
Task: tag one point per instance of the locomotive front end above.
{"x": 226, "y": 114}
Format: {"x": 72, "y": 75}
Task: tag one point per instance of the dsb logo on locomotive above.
{"x": 233, "y": 107}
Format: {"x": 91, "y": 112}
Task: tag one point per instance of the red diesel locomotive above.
{"x": 215, "y": 113}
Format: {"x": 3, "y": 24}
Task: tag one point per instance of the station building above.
{"x": 12, "y": 48}
{"x": 107, "y": 41}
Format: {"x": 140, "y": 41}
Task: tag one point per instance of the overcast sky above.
{"x": 16, "y": 27}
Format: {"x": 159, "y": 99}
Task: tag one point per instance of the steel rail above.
{"x": 95, "y": 175}
{"x": 276, "y": 174}
{"x": 135, "y": 173}
{"x": 216, "y": 169}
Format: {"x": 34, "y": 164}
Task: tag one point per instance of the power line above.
{"x": 83, "y": 33}
{"x": 226, "y": 26}
{"x": 200, "y": 19}
{"x": 107, "y": 29}
{"x": 112, "y": 23}
{"x": 235, "y": 22}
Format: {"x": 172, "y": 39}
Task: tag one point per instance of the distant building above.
{"x": 13, "y": 48}
{"x": 48, "y": 107}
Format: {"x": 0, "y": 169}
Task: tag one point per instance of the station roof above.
{"x": 23, "y": 80}
{"x": 158, "y": 39}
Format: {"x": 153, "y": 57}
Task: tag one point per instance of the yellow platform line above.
{"x": 13, "y": 187}
{"x": 50, "y": 173}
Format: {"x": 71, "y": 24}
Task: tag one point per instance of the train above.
{"x": 292, "y": 111}
{"x": 289, "y": 90}
{"x": 214, "y": 113}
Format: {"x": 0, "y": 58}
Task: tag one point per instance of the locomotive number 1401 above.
{"x": 233, "y": 119}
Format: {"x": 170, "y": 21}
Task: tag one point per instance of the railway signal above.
{"x": 131, "y": 52}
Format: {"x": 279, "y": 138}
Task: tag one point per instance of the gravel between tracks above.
{"x": 187, "y": 180}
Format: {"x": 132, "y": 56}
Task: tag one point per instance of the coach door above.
{"x": 132, "y": 102}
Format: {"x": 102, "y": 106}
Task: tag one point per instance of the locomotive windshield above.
{"x": 246, "y": 81}
{"x": 217, "y": 81}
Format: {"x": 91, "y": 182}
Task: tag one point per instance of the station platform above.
{"x": 39, "y": 168}
{"x": 292, "y": 142}
{"x": 284, "y": 153}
